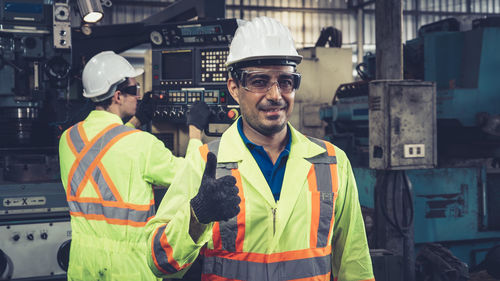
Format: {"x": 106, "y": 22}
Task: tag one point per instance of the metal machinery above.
{"x": 35, "y": 56}
{"x": 315, "y": 87}
{"x": 385, "y": 125}
{"x": 188, "y": 66}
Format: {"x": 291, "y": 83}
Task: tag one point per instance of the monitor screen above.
{"x": 23, "y": 7}
{"x": 177, "y": 65}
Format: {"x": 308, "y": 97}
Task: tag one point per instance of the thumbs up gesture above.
{"x": 217, "y": 199}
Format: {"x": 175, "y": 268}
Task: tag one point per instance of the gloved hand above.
{"x": 144, "y": 111}
{"x": 217, "y": 199}
{"x": 198, "y": 115}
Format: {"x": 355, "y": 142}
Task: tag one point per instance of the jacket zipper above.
{"x": 274, "y": 220}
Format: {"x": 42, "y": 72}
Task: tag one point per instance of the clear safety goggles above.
{"x": 262, "y": 81}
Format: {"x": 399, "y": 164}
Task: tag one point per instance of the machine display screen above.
{"x": 196, "y": 30}
{"x": 23, "y": 8}
{"x": 177, "y": 65}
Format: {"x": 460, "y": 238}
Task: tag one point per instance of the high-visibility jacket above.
{"x": 314, "y": 231}
{"x": 107, "y": 170}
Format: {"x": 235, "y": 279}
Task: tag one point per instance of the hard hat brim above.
{"x": 297, "y": 59}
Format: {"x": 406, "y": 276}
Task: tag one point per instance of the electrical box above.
{"x": 402, "y": 124}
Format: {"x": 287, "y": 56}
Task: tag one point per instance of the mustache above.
{"x": 270, "y": 104}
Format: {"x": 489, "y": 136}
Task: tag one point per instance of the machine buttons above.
{"x": 30, "y": 237}
{"x": 44, "y": 235}
{"x": 233, "y": 114}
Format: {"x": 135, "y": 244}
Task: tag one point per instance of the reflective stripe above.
{"x": 163, "y": 253}
{"x": 106, "y": 192}
{"x": 76, "y": 139}
{"x": 300, "y": 264}
{"x": 91, "y": 154}
{"x": 213, "y": 146}
{"x": 322, "y": 168}
{"x": 228, "y": 230}
{"x": 109, "y": 206}
{"x": 276, "y": 271}
{"x": 89, "y": 208}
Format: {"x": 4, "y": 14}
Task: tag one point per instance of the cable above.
{"x": 397, "y": 180}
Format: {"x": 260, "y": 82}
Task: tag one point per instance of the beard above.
{"x": 267, "y": 130}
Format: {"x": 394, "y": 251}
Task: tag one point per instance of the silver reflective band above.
{"x": 160, "y": 254}
{"x": 91, "y": 154}
{"x": 111, "y": 212}
{"x": 323, "y": 175}
{"x": 228, "y": 229}
{"x": 277, "y": 271}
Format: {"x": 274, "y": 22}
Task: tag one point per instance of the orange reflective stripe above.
{"x": 98, "y": 159}
{"x": 155, "y": 260}
{"x": 216, "y": 236}
{"x": 325, "y": 277}
{"x": 170, "y": 252}
{"x": 96, "y": 188}
{"x": 315, "y": 204}
{"x": 110, "y": 220}
{"x": 331, "y": 151}
{"x": 163, "y": 253}
{"x": 204, "y": 152}
{"x": 82, "y": 153}
{"x": 335, "y": 183}
{"x": 75, "y": 164}
{"x": 240, "y": 219}
{"x": 270, "y": 258}
{"x": 110, "y": 182}
{"x": 82, "y": 133}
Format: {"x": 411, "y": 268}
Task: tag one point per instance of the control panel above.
{"x": 188, "y": 66}
{"x": 35, "y": 250}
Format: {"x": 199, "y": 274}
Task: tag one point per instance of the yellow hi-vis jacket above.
{"x": 314, "y": 231}
{"x": 107, "y": 170}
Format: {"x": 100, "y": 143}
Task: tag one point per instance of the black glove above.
{"x": 217, "y": 199}
{"x": 198, "y": 115}
{"x": 145, "y": 110}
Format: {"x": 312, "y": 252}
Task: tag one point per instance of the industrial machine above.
{"x": 41, "y": 58}
{"x": 448, "y": 142}
{"x": 188, "y": 66}
{"x": 35, "y": 67}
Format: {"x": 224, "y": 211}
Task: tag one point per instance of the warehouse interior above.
{"x": 407, "y": 88}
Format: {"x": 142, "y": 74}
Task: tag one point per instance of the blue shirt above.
{"x": 273, "y": 173}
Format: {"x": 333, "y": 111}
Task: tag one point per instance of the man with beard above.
{"x": 263, "y": 202}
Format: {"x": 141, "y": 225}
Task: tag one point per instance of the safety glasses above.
{"x": 263, "y": 81}
{"x": 131, "y": 90}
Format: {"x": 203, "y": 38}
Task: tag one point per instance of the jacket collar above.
{"x": 104, "y": 117}
{"x": 301, "y": 147}
{"x": 296, "y": 171}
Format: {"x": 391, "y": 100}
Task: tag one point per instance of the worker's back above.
{"x": 104, "y": 168}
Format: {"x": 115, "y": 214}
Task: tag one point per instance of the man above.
{"x": 107, "y": 170}
{"x": 273, "y": 204}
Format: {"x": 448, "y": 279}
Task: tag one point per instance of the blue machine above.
{"x": 456, "y": 204}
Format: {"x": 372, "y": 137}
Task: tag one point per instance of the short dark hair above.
{"x": 107, "y": 102}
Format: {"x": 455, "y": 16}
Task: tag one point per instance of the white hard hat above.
{"x": 262, "y": 39}
{"x": 104, "y": 71}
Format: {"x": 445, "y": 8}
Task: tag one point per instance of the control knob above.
{"x": 16, "y": 237}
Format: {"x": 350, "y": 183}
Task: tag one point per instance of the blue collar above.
{"x": 252, "y": 145}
